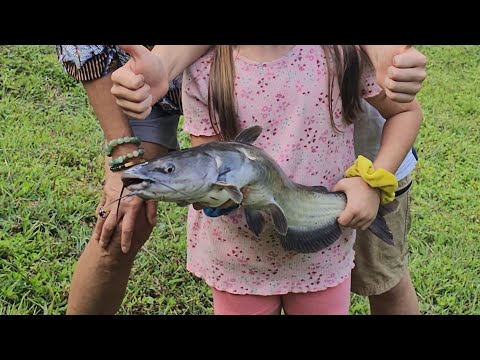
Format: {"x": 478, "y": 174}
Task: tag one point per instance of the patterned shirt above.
{"x": 288, "y": 97}
{"x": 90, "y": 62}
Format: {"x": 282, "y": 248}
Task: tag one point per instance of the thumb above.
{"x": 345, "y": 217}
{"x": 400, "y": 50}
{"x": 135, "y": 51}
{"x": 339, "y": 186}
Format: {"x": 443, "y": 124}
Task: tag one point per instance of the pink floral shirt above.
{"x": 288, "y": 98}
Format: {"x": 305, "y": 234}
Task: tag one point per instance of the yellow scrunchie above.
{"x": 379, "y": 178}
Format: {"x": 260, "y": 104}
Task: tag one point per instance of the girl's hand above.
{"x": 362, "y": 203}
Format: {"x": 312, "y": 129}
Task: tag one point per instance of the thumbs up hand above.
{"x": 140, "y": 83}
{"x": 401, "y": 72}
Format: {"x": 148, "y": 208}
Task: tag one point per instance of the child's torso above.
{"x": 288, "y": 97}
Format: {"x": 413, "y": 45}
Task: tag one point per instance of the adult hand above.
{"x": 140, "y": 83}
{"x": 402, "y": 77}
{"x": 128, "y": 211}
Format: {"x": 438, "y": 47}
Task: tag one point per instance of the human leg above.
{"x": 381, "y": 271}
{"x": 225, "y": 303}
{"x": 101, "y": 275}
{"x": 331, "y": 301}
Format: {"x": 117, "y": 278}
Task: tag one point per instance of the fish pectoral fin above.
{"x": 279, "y": 219}
{"x": 380, "y": 229}
{"x": 249, "y": 135}
{"x": 235, "y": 194}
{"x": 255, "y": 220}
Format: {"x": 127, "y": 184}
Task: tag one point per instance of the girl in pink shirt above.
{"x": 305, "y": 98}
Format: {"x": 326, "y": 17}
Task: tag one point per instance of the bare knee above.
{"x": 402, "y": 287}
{"x": 399, "y": 300}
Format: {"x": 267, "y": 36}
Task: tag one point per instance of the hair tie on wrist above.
{"x": 380, "y": 179}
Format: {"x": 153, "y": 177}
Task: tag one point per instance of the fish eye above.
{"x": 169, "y": 168}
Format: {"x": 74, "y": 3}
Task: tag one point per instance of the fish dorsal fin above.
{"x": 279, "y": 220}
{"x": 234, "y": 193}
{"x": 248, "y": 136}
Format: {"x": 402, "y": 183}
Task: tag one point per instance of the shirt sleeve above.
{"x": 195, "y": 98}
{"x": 91, "y": 62}
{"x": 88, "y": 62}
{"x": 368, "y": 84}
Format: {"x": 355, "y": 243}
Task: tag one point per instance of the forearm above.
{"x": 399, "y": 134}
{"x": 176, "y": 58}
{"x": 113, "y": 121}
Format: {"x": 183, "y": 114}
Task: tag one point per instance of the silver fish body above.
{"x": 305, "y": 217}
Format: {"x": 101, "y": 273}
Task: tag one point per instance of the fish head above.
{"x": 180, "y": 176}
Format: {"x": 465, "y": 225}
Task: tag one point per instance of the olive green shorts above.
{"x": 379, "y": 266}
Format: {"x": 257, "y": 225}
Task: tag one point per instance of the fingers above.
{"x": 400, "y": 97}
{"x": 128, "y": 226}
{"x": 362, "y": 202}
{"x": 345, "y": 217}
{"x": 135, "y": 108}
{"x": 135, "y": 51}
{"x": 351, "y": 219}
{"x": 406, "y": 74}
{"x": 366, "y": 225}
{"x": 404, "y": 79}
{"x": 137, "y": 95}
{"x": 402, "y": 85}
{"x": 108, "y": 229}
{"x": 151, "y": 210}
{"x": 125, "y": 77}
{"x": 98, "y": 228}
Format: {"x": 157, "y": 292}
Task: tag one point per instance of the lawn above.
{"x": 51, "y": 180}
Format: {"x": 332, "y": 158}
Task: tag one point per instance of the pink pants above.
{"x": 331, "y": 301}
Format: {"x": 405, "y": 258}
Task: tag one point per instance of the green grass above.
{"x": 51, "y": 180}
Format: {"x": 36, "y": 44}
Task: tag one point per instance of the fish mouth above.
{"x": 135, "y": 183}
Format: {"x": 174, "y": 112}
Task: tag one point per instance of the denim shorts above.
{"x": 160, "y": 127}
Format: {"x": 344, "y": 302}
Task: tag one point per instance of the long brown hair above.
{"x": 344, "y": 63}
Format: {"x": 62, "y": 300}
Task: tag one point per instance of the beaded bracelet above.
{"x": 120, "y": 167}
{"x": 119, "y": 141}
{"x": 122, "y": 158}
